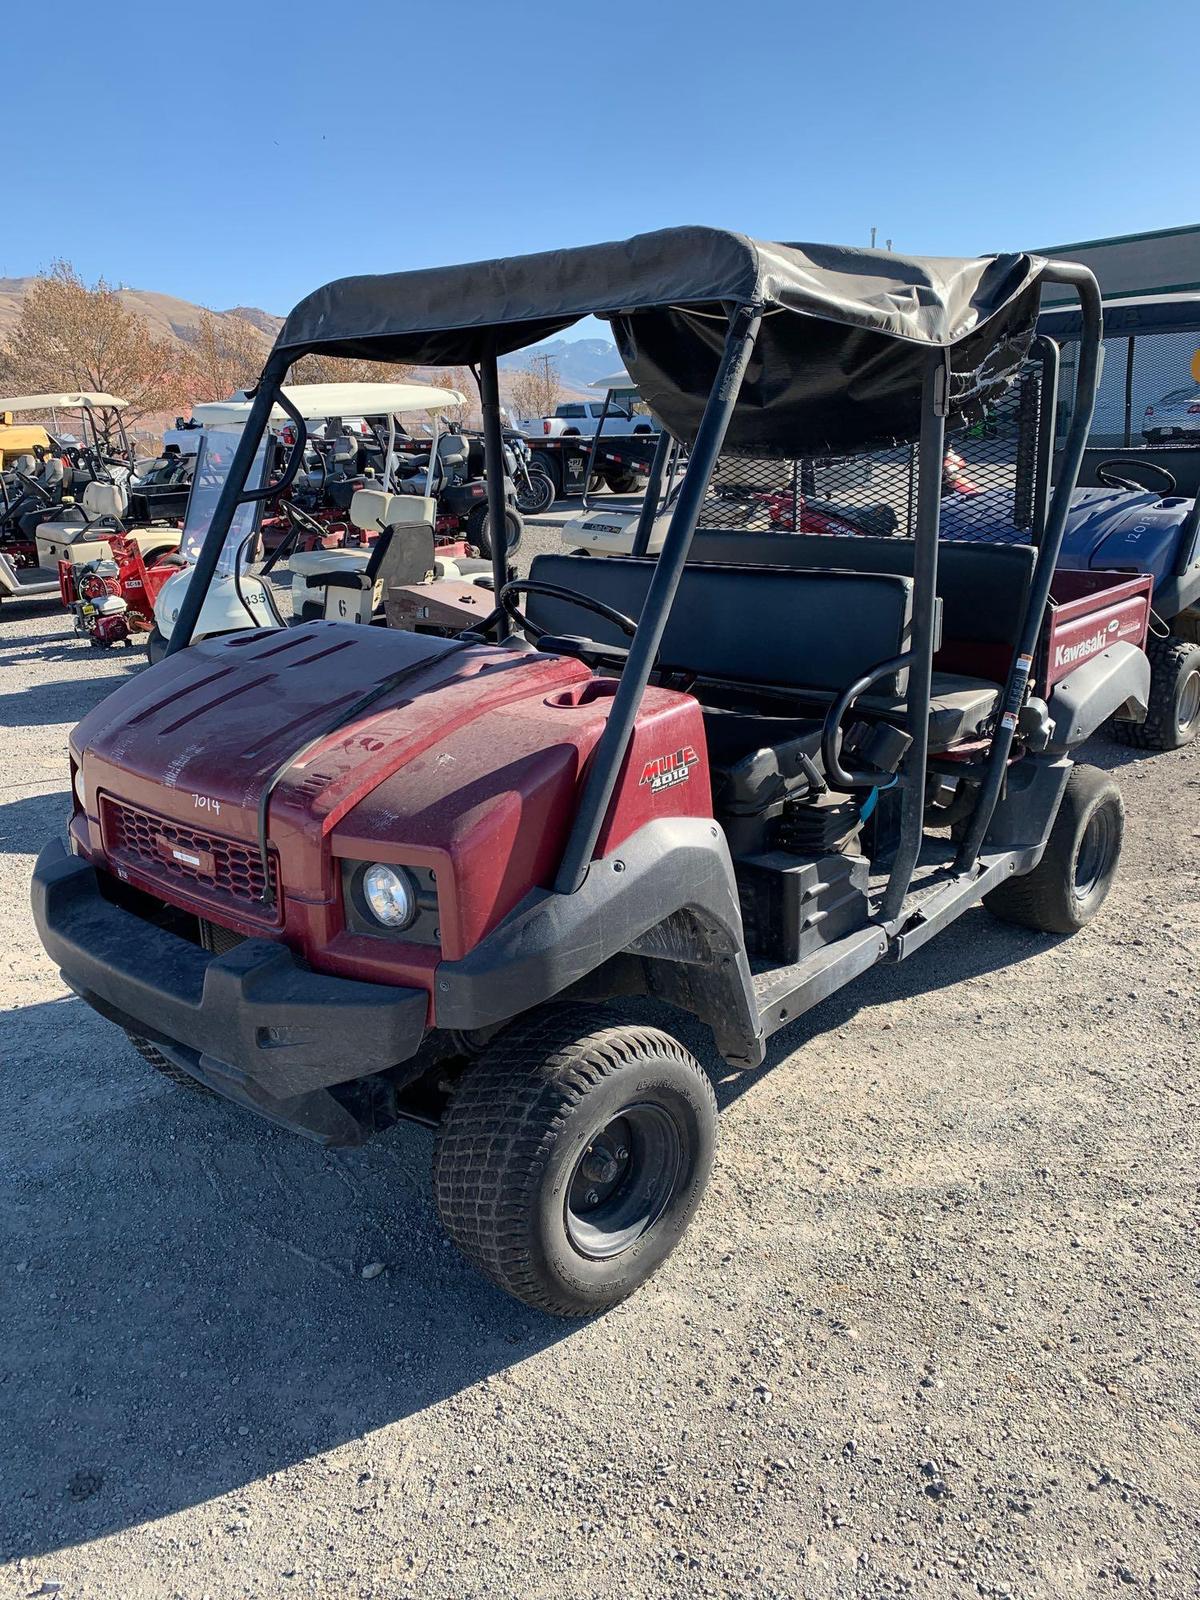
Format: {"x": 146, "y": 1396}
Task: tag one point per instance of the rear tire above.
{"x": 622, "y": 482}
{"x": 1173, "y": 714}
{"x": 168, "y": 1069}
{"x": 548, "y": 466}
{"x": 572, "y": 1157}
{"x": 479, "y": 529}
{"x": 1071, "y": 882}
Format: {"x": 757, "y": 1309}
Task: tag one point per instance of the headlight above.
{"x": 390, "y": 895}
{"x": 77, "y": 785}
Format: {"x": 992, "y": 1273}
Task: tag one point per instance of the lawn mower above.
{"x": 344, "y": 875}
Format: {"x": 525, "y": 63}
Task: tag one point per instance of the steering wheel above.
{"x": 43, "y": 494}
{"x": 1113, "y": 480}
{"x": 556, "y": 591}
{"x": 301, "y": 520}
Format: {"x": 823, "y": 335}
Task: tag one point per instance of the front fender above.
{"x": 674, "y": 874}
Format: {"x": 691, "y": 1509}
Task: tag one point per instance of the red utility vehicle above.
{"x": 343, "y": 874}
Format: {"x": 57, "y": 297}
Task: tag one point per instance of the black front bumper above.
{"x": 253, "y": 1023}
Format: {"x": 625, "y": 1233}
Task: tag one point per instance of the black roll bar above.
{"x": 227, "y": 503}
{"x": 935, "y": 395}
{"x": 1017, "y": 687}
{"x": 493, "y": 466}
{"x": 1047, "y": 352}
{"x": 649, "y": 507}
{"x": 613, "y": 743}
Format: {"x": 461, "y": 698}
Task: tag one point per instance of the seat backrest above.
{"x": 453, "y": 451}
{"x": 790, "y": 629}
{"x": 983, "y": 588}
{"x": 104, "y": 500}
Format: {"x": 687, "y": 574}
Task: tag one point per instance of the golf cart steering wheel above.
{"x": 301, "y": 520}
{"x": 556, "y": 591}
{"x": 1113, "y": 480}
{"x": 43, "y": 495}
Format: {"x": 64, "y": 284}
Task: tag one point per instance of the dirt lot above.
{"x": 934, "y": 1332}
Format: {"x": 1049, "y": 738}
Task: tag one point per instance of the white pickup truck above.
{"x": 582, "y": 417}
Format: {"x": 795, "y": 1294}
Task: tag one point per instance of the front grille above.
{"x": 204, "y": 865}
{"x": 216, "y": 938}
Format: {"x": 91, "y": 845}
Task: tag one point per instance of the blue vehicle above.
{"x": 1124, "y": 526}
{"x": 1138, "y": 507}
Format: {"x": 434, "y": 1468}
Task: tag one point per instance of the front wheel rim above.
{"x": 623, "y": 1181}
{"x": 1189, "y": 701}
{"x": 1095, "y": 854}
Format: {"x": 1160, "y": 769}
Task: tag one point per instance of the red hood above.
{"x": 219, "y": 720}
{"x": 468, "y": 764}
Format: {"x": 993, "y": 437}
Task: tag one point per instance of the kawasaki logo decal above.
{"x": 1066, "y": 654}
{"x": 663, "y": 772}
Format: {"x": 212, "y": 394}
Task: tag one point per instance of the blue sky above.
{"x": 254, "y": 152}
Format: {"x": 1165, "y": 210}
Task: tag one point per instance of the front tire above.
{"x": 156, "y": 645}
{"x": 539, "y": 497}
{"x": 479, "y": 530}
{"x": 1173, "y": 713}
{"x": 1071, "y": 882}
{"x": 572, "y": 1157}
{"x": 168, "y": 1069}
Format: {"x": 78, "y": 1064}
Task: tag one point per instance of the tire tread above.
{"x": 501, "y": 1126}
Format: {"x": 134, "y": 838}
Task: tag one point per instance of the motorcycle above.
{"x": 534, "y": 488}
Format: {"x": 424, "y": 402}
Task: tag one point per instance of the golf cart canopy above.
{"x": 316, "y": 401}
{"x": 844, "y": 343}
{"x": 73, "y": 401}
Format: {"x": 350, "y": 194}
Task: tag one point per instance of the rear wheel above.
{"x": 1173, "y": 714}
{"x": 168, "y": 1069}
{"x": 479, "y": 529}
{"x": 622, "y": 482}
{"x": 572, "y": 1157}
{"x": 547, "y": 465}
{"x": 1071, "y": 881}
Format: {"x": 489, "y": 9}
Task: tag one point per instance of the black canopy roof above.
{"x": 838, "y": 366}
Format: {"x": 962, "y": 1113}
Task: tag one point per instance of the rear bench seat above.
{"x": 745, "y": 624}
{"x": 788, "y": 627}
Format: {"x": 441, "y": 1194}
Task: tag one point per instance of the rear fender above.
{"x": 1117, "y": 681}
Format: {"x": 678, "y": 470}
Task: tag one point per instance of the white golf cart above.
{"x": 607, "y": 530}
{"x": 237, "y": 597}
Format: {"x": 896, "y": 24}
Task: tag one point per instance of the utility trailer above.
{"x": 342, "y": 875}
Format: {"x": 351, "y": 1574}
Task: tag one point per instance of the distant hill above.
{"x": 579, "y": 361}
{"x": 167, "y": 316}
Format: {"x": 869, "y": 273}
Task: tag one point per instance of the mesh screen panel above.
{"x": 990, "y": 482}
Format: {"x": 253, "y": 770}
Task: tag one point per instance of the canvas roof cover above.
{"x": 319, "y": 400}
{"x": 64, "y": 402}
{"x": 840, "y": 357}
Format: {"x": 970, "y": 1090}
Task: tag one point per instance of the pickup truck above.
{"x": 621, "y": 464}
{"x": 581, "y": 418}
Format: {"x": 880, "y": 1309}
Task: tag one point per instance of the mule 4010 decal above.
{"x": 664, "y": 772}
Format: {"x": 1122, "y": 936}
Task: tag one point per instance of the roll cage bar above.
{"x": 743, "y": 323}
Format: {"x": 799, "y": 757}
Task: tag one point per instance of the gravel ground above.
{"x": 933, "y": 1332}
